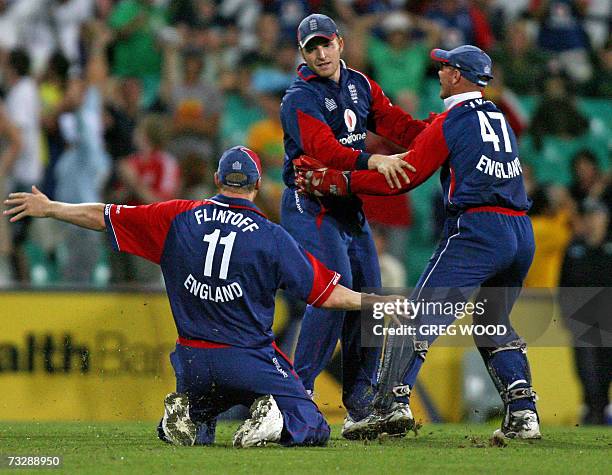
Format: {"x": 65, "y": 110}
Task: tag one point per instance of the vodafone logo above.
{"x": 350, "y": 119}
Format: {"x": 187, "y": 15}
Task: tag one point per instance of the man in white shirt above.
{"x": 23, "y": 109}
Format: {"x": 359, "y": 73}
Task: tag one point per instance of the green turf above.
{"x": 134, "y": 448}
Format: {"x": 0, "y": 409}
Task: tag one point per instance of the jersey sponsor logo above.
{"x": 107, "y": 209}
{"x": 352, "y": 138}
{"x": 350, "y": 119}
{"x": 279, "y": 368}
{"x": 330, "y": 104}
{"x": 221, "y": 294}
{"x": 353, "y": 92}
{"x": 499, "y": 169}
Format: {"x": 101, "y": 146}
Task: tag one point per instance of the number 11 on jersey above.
{"x": 228, "y": 243}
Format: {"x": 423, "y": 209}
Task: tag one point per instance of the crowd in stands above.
{"x": 132, "y": 101}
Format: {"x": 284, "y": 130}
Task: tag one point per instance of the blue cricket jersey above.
{"x": 222, "y": 262}
{"x": 477, "y": 153}
{"x": 329, "y": 121}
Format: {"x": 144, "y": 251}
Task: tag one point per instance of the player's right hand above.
{"x": 35, "y": 204}
{"x": 392, "y": 167}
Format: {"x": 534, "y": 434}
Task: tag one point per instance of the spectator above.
{"x": 587, "y": 179}
{"x": 507, "y": 101}
{"x": 23, "y": 108}
{"x": 196, "y": 178}
{"x": 84, "y": 165}
{"x": 241, "y": 108}
{"x": 10, "y": 146}
{"x": 280, "y": 74}
{"x": 551, "y": 217}
{"x": 562, "y": 34}
{"x": 245, "y": 14}
{"x": 265, "y": 138}
{"x": 25, "y": 24}
{"x": 138, "y": 26}
{"x": 150, "y": 175}
{"x": 587, "y": 264}
{"x": 53, "y": 86}
{"x": 68, "y": 18}
{"x": 400, "y": 61}
{"x": 392, "y": 271}
{"x": 289, "y": 14}
{"x": 268, "y": 38}
{"x": 521, "y": 59}
{"x": 195, "y": 105}
{"x": 122, "y": 112}
{"x": 602, "y": 79}
{"x": 461, "y": 23}
{"x": 508, "y": 12}
{"x": 52, "y": 92}
{"x": 557, "y": 114}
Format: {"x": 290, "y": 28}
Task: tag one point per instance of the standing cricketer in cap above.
{"x": 222, "y": 262}
{"x": 326, "y": 114}
{"x": 488, "y": 241}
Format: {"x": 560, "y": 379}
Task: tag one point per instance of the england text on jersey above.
{"x": 499, "y": 169}
{"x": 222, "y": 294}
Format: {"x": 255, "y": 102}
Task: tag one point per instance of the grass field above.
{"x": 438, "y": 448}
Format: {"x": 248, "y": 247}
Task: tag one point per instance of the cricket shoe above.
{"x": 395, "y": 422}
{"x": 523, "y": 424}
{"x": 176, "y": 424}
{"x": 348, "y": 431}
{"x": 265, "y": 424}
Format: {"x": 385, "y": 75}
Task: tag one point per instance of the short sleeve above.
{"x": 142, "y": 230}
{"x": 301, "y": 274}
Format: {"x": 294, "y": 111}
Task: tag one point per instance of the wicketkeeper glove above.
{"x": 314, "y": 178}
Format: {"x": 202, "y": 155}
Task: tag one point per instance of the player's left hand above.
{"x": 313, "y": 177}
{"x": 35, "y": 204}
{"x": 393, "y": 167}
{"x": 323, "y": 182}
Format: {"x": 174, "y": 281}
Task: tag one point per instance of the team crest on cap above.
{"x": 236, "y": 165}
{"x": 487, "y": 69}
{"x": 350, "y": 119}
{"x": 312, "y": 24}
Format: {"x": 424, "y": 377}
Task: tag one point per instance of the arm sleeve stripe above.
{"x": 328, "y": 290}
{"x": 109, "y": 222}
{"x": 323, "y": 281}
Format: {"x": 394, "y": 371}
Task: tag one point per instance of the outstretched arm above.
{"x": 343, "y": 298}
{"x": 37, "y": 205}
{"x": 429, "y": 152}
